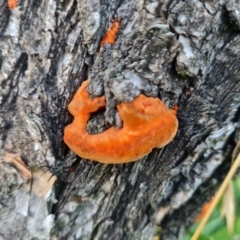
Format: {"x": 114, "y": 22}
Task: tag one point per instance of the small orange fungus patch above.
{"x": 147, "y": 124}
{"x": 12, "y": 4}
{"x": 111, "y": 34}
{"x": 204, "y": 210}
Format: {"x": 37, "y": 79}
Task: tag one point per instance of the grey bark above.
{"x": 185, "y": 52}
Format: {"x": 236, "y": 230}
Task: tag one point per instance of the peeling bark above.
{"x": 184, "y": 52}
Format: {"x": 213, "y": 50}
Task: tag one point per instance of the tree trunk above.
{"x": 185, "y": 52}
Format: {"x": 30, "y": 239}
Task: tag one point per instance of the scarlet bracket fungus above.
{"x": 111, "y": 34}
{"x": 147, "y": 124}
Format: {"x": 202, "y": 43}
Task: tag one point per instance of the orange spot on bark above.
{"x": 204, "y": 210}
{"x": 12, "y": 4}
{"x": 111, "y": 34}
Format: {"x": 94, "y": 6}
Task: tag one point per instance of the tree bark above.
{"x": 185, "y": 52}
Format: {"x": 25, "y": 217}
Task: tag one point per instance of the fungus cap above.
{"x": 147, "y": 124}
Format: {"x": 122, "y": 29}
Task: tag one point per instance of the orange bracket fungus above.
{"x": 147, "y": 124}
{"x": 111, "y": 34}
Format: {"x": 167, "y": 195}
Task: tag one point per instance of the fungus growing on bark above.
{"x": 147, "y": 124}
{"x": 12, "y": 4}
{"x": 111, "y": 34}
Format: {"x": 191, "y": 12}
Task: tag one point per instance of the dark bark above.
{"x": 185, "y": 52}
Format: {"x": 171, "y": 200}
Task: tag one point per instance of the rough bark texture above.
{"x": 185, "y": 52}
